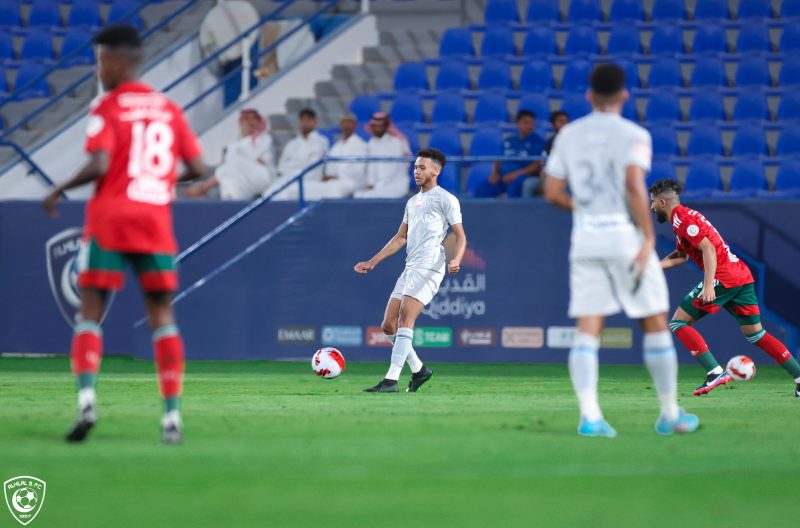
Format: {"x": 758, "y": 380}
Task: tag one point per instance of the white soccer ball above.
{"x": 327, "y": 363}
{"x": 741, "y": 368}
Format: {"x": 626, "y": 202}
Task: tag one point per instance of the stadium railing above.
{"x": 35, "y": 168}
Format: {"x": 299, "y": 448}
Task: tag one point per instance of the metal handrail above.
{"x": 27, "y": 159}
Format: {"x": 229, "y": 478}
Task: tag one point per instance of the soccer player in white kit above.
{"x": 613, "y": 264}
{"x": 427, "y": 217}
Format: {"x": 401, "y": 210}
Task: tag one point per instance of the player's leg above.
{"x": 410, "y": 309}
{"x": 390, "y": 318}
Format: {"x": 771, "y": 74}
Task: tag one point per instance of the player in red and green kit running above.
{"x": 135, "y": 138}
{"x": 727, "y": 283}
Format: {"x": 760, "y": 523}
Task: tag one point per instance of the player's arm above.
{"x": 526, "y": 171}
{"x": 555, "y": 192}
{"x": 393, "y": 246}
{"x": 461, "y": 247}
{"x": 710, "y": 266}
{"x": 195, "y": 169}
{"x": 676, "y": 258}
{"x": 639, "y": 203}
{"x": 95, "y": 168}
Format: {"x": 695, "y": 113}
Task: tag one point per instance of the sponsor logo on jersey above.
{"x": 61, "y": 254}
{"x": 522, "y": 337}
{"x": 692, "y": 230}
{"x": 342, "y": 336}
{"x": 433, "y": 337}
{"x": 376, "y": 337}
{"x": 476, "y": 337}
{"x": 297, "y": 335}
{"x": 24, "y": 497}
{"x": 562, "y": 337}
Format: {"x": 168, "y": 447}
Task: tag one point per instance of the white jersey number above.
{"x": 151, "y": 150}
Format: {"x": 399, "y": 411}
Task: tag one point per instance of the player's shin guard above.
{"x": 169, "y": 364}
{"x": 662, "y": 362}
{"x": 400, "y": 351}
{"x": 694, "y": 342}
{"x": 777, "y": 350}
{"x": 86, "y": 353}
{"x": 583, "y": 370}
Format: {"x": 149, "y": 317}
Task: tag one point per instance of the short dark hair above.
{"x": 525, "y": 113}
{"x": 433, "y": 154}
{"x": 307, "y": 112}
{"x": 119, "y": 36}
{"x": 666, "y": 186}
{"x": 555, "y": 115}
{"x": 607, "y": 79}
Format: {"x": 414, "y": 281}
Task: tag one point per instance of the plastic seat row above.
{"x": 40, "y": 47}
{"x": 27, "y": 74}
{"x": 46, "y": 15}
{"x": 706, "y": 140}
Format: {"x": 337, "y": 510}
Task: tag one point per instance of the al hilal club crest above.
{"x": 24, "y": 497}
{"x": 62, "y": 270}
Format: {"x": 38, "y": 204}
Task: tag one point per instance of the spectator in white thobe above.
{"x": 341, "y": 179}
{"x": 386, "y": 179}
{"x": 303, "y": 150}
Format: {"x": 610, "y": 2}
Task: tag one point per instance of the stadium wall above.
{"x": 298, "y": 291}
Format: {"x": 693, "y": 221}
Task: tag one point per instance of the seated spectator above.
{"x": 248, "y": 164}
{"x": 342, "y": 179}
{"x": 385, "y": 179}
{"x": 303, "y": 150}
{"x": 509, "y": 176}
{"x": 533, "y": 186}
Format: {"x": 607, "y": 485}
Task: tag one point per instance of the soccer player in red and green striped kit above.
{"x": 727, "y": 283}
{"x": 135, "y": 138}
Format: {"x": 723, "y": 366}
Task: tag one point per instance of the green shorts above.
{"x": 740, "y": 301}
{"x": 103, "y": 269}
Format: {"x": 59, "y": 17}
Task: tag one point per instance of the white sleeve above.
{"x": 640, "y": 151}
{"x": 452, "y": 210}
{"x": 405, "y": 214}
{"x": 555, "y": 166}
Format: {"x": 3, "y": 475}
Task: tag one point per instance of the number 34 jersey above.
{"x": 145, "y": 135}
{"x": 691, "y": 228}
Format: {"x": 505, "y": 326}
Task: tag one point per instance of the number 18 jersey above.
{"x": 145, "y": 135}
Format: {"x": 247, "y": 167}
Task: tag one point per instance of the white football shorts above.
{"x": 421, "y": 284}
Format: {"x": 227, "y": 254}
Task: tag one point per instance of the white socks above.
{"x": 86, "y": 397}
{"x": 583, "y": 371}
{"x": 400, "y": 351}
{"x": 662, "y": 362}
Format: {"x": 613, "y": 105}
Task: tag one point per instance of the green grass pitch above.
{"x": 267, "y": 444}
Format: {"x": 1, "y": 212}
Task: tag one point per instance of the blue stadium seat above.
{"x": 631, "y": 72}
{"x": 44, "y": 14}
{"x": 26, "y": 74}
{"x": 749, "y": 141}
{"x": 84, "y": 14}
{"x": 747, "y": 179}
{"x": 125, "y": 11}
{"x": 536, "y": 76}
{"x": 709, "y": 71}
{"x": 4, "y": 91}
{"x": 581, "y": 40}
{"x": 753, "y": 9}
{"x": 626, "y": 11}
{"x": 711, "y": 10}
{"x": 486, "y": 142}
{"x": 450, "y": 178}
{"x": 576, "y": 105}
{"x": 447, "y": 140}
{"x": 539, "y": 41}
{"x": 410, "y": 76}
{"x": 702, "y": 179}
{"x": 666, "y": 40}
{"x": 663, "y": 106}
{"x": 576, "y": 75}
{"x": 9, "y": 15}
{"x": 665, "y": 142}
{"x": 495, "y": 75}
{"x": 710, "y": 39}
{"x": 788, "y": 142}
{"x": 667, "y": 11}
{"x": 753, "y": 38}
{"x": 624, "y": 40}
{"x": 501, "y": 12}
{"x": 363, "y": 106}
{"x": 478, "y": 173}
{"x": 453, "y": 75}
{"x": 788, "y": 177}
{"x": 536, "y": 103}
{"x": 707, "y": 105}
{"x": 790, "y": 8}
{"x": 410, "y": 132}
{"x": 584, "y": 11}
{"x": 789, "y": 108}
{"x": 543, "y": 11}
{"x": 753, "y": 71}
{"x": 491, "y": 108}
{"x": 751, "y": 104}
{"x": 629, "y": 110}
{"x": 661, "y": 170}
{"x": 37, "y": 47}
{"x": 498, "y": 42}
{"x": 407, "y": 107}
{"x": 704, "y": 140}
{"x": 790, "y": 71}
{"x": 665, "y": 73}
{"x": 456, "y": 42}
{"x": 448, "y": 108}
{"x": 73, "y": 40}
{"x": 6, "y": 48}
{"x": 790, "y": 38}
